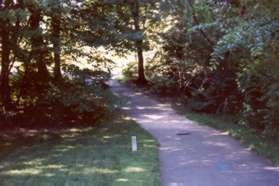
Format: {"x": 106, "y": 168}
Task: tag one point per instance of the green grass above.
{"x": 264, "y": 146}
{"x": 79, "y": 156}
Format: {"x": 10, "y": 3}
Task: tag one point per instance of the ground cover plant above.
{"x": 82, "y": 155}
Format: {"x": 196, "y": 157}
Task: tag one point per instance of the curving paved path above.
{"x": 205, "y": 157}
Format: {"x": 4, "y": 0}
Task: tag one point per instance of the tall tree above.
{"x": 56, "y": 31}
{"x": 135, "y": 8}
{"x": 5, "y": 55}
{"x": 37, "y": 42}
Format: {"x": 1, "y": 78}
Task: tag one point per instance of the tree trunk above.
{"x": 141, "y": 75}
{"x": 139, "y": 44}
{"x": 56, "y": 46}
{"x": 5, "y": 64}
{"x": 38, "y": 46}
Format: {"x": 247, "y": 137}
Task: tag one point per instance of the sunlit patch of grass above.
{"x": 134, "y": 169}
{"x": 96, "y": 170}
{"x": 24, "y": 172}
{"x": 37, "y": 161}
{"x": 85, "y": 156}
{"x": 122, "y": 180}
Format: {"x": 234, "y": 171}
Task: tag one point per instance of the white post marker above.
{"x": 134, "y": 144}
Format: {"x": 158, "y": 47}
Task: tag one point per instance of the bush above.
{"x": 261, "y": 101}
{"x": 78, "y": 99}
{"x": 130, "y": 71}
{"x": 164, "y": 86}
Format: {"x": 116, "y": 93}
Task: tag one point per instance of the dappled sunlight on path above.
{"x": 194, "y": 155}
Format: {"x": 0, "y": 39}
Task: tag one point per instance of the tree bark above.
{"x": 38, "y": 46}
{"x": 139, "y": 44}
{"x": 5, "y": 92}
{"x": 56, "y": 28}
{"x": 5, "y": 64}
{"x": 141, "y": 75}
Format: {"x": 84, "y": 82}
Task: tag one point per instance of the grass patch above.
{"x": 264, "y": 146}
{"x": 81, "y": 156}
{"x": 86, "y": 155}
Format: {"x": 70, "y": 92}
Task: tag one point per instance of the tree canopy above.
{"x": 221, "y": 55}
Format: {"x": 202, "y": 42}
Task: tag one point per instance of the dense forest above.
{"x": 43, "y": 44}
{"x": 220, "y": 56}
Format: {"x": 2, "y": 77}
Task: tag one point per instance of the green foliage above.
{"x": 261, "y": 96}
{"x": 130, "y": 71}
{"x": 78, "y": 99}
{"x": 42, "y": 41}
{"x": 222, "y": 56}
{"x": 163, "y": 86}
{"x": 74, "y": 102}
{"x": 219, "y": 54}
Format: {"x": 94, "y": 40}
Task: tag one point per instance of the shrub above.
{"x": 78, "y": 99}
{"x": 261, "y": 100}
